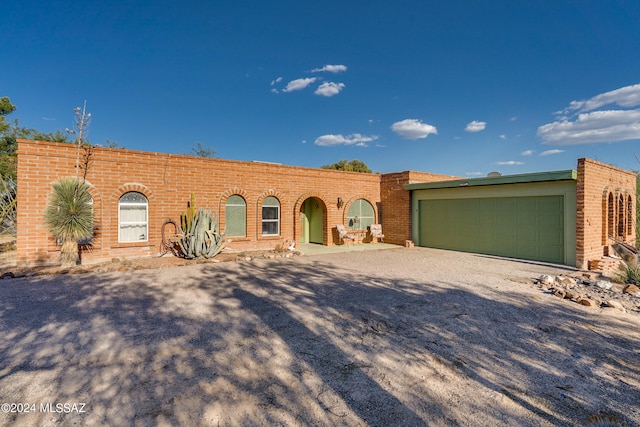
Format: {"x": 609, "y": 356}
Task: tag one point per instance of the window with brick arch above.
{"x": 270, "y": 216}
{"x": 133, "y": 218}
{"x": 610, "y": 215}
{"x": 620, "y": 225}
{"x": 629, "y": 215}
{"x": 361, "y": 215}
{"x": 236, "y": 216}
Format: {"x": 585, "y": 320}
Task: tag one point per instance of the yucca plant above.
{"x": 69, "y": 216}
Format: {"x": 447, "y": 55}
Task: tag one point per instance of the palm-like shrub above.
{"x": 69, "y": 216}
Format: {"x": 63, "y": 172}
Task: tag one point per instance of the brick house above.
{"x": 261, "y": 205}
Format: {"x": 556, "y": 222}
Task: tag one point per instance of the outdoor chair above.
{"x": 376, "y": 231}
{"x": 344, "y": 235}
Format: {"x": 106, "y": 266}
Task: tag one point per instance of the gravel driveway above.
{"x": 378, "y": 338}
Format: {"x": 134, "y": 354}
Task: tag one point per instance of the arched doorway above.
{"x": 312, "y": 221}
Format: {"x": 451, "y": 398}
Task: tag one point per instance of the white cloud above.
{"x": 527, "y": 153}
{"x": 413, "y": 129}
{"x": 474, "y": 174}
{"x": 476, "y": 126}
{"x": 509, "y": 163}
{"x": 278, "y": 80}
{"x": 353, "y": 139}
{"x": 274, "y": 90}
{"x": 331, "y": 69}
{"x": 550, "y": 152}
{"x": 628, "y": 96}
{"x": 329, "y": 89}
{"x": 503, "y": 136}
{"x": 596, "y": 126}
{"x": 513, "y": 119}
{"x": 593, "y": 127}
{"x": 299, "y": 84}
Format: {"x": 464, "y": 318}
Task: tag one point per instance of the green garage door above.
{"x": 518, "y": 227}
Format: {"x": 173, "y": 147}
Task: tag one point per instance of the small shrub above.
{"x": 629, "y": 272}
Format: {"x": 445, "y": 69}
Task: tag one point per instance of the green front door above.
{"x": 311, "y": 221}
{"x": 519, "y": 227}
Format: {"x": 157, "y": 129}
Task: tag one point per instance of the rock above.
{"x": 587, "y": 302}
{"x": 614, "y": 304}
{"x": 567, "y": 281}
{"x": 8, "y": 275}
{"x": 547, "y": 279}
{"x": 560, "y": 293}
{"x": 604, "y": 284}
{"x": 571, "y": 295}
{"x": 632, "y": 289}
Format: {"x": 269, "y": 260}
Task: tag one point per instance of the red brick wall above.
{"x": 396, "y": 202}
{"x": 167, "y": 180}
{"x": 596, "y": 181}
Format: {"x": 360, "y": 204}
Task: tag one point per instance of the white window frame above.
{"x": 145, "y": 222}
{"x": 276, "y": 220}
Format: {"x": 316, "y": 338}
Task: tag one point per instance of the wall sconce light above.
{"x": 340, "y": 202}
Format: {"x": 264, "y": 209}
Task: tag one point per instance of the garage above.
{"x": 529, "y": 216}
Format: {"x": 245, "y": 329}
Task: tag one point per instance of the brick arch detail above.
{"x": 326, "y": 230}
{"x": 133, "y": 186}
{"x": 348, "y": 203}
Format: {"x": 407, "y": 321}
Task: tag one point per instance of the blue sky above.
{"x": 454, "y": 87}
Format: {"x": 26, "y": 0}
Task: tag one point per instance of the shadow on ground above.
{"x": 309, "y": 341}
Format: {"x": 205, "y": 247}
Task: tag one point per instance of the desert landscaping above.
{"x": 405, "y": 336}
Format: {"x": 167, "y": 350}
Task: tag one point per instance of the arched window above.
{"x": 133, "y": 217}
{"x": 610, "y": 215}
{"x": 620, "y": 226}
{"x": 270, "y": 216}
{"x": 236, "y": 216}
{"x": 360, "y": 215}
{"x": 629, "y": 216}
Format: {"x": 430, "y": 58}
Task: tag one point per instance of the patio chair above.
{"x": 344, "y": 235}
{"x": 376, "y": 231}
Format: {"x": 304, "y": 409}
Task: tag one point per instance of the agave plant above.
{"x": 69, "y": 216}
{"x": 200, "y": 235}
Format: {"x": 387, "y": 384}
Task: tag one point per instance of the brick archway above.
{"x": 297, "y": 211}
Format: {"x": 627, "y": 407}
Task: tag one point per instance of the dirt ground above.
{"x": 376, "y": 338}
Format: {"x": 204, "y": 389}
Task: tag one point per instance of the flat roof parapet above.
{"x": 565, "y": 175}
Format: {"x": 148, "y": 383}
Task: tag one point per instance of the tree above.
{"x": 6, "y": 108}
{"x": 69, "y": 216}
{"x": 351, "y": 166}
{"x": 201, "y": 150}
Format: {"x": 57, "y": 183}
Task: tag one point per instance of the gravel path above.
{"x": 378, "y": 338}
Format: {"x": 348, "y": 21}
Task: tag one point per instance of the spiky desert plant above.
{"x": 69, "y": 216}
{"x": 629, "y": 272}
{"x": 201, "y": 237}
